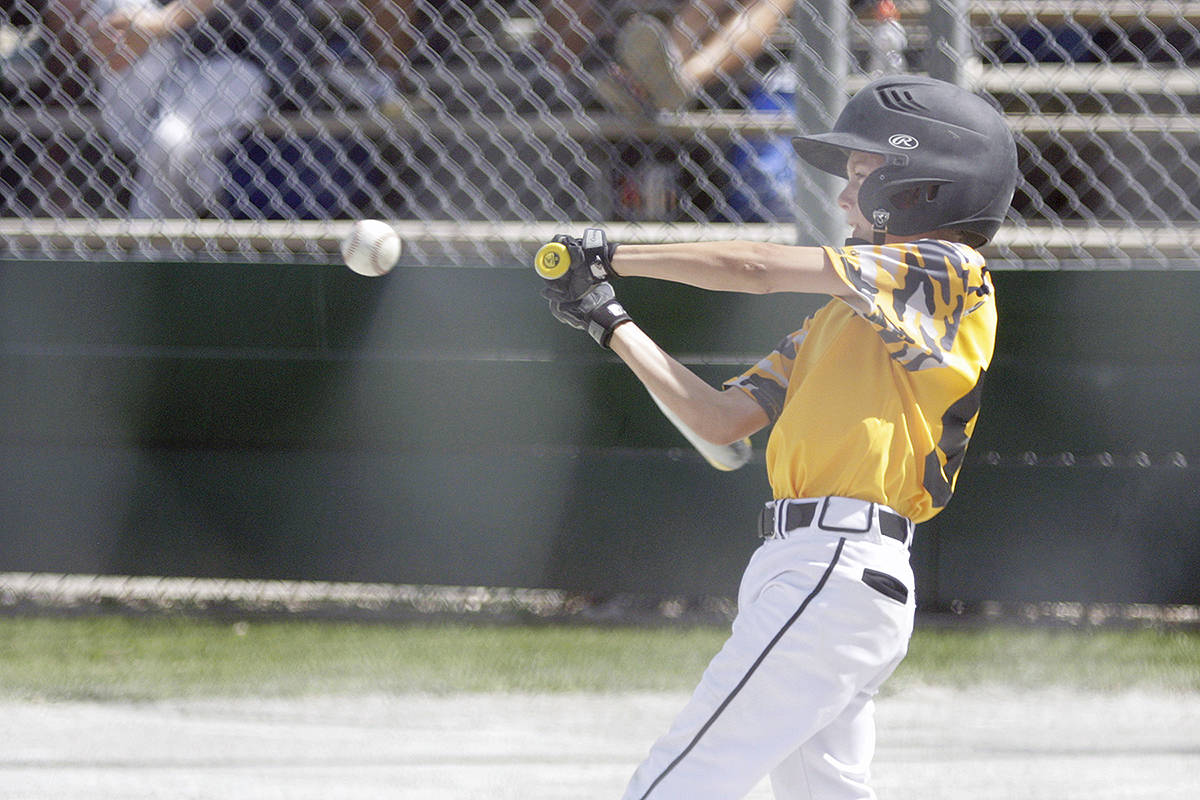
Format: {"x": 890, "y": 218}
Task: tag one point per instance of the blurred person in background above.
{"x": 389, "y": 34}
{"x": 179, "y": 84}
{"x": 646, "y": 68}
{"x": 570, "y": 36}
{"x": 175, "y": 90}
{"x": 59, "y": 51}
{"x": 665, "y": 67}
{"x": 44, "y": 62}
{"x": 361, "y": 49}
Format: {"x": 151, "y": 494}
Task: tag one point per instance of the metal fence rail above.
{"x": 447, "y": 116}
{"x": 66, "y": 594}
{"x": 50, "y": 593}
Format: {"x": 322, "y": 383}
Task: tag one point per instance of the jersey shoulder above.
{"x": 919, "y": 296}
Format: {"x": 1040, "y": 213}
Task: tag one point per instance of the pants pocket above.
{"x": 886, "y": 585}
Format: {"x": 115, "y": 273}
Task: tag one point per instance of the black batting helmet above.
{"x": 951, "y": 162}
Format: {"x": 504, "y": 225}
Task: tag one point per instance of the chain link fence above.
{"x": 257, "y": 129}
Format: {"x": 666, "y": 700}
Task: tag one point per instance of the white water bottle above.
{"x": 888, "y": 40}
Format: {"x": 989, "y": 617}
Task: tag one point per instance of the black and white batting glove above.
{"x": 590, "y": 260}
{"x": 598, "y": 312}
{"x": 598, "y": 253}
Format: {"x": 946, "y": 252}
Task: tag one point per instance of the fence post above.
{"x": 821, "y": 58}
{"x": 949, "y": 51}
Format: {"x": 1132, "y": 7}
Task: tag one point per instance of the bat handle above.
{"x": 552, "y": 261}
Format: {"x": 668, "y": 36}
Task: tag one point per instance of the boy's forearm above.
{"x": 736, "y": 266}
{"x": 718, "y": 416}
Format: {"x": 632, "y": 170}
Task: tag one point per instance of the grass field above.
{"x": 117, "y": 658}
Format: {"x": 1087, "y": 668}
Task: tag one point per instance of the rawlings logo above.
{"x": 902, "y": 141}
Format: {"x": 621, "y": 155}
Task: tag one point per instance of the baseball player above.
{"x": 872, "y": 402}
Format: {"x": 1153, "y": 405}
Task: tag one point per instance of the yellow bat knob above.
{"x": 552, "y": 261}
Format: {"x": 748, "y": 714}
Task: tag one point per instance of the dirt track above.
{"x": 933, "y": 744}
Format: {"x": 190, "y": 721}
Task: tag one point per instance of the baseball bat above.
{"x": 723, "y": 457}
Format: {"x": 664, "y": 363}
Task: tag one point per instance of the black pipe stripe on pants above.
{"x": 753, "y": 667}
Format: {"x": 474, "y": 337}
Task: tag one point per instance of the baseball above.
{"x": 371, "y": 248}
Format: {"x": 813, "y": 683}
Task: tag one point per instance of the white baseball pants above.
{"x": 824, "y": 617}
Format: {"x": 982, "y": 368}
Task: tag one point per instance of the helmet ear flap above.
{"x": 907, "y": 207}
{"x": 915, "y": 196}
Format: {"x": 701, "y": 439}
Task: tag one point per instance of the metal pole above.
{"x": 949, "y": 52}
{"x": 821, "y": 58}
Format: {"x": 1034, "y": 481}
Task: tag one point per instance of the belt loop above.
{"x": 797, "y": 514}
{"x": 768, "y": 525}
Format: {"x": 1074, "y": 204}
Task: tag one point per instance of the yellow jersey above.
{"x": 877, "y": 395}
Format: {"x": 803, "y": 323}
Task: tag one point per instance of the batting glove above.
{"x": 598, "y": 312}
{"x": 590, "y": 263}
{"x": 598, "y": 253}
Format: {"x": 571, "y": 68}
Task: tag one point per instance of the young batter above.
{"x": 873, "y": 401}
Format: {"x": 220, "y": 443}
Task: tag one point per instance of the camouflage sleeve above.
{"x": 767, "y": 381}
{"x": 915, "y": 294}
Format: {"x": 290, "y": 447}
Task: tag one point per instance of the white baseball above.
{"x": 371, "y": 248}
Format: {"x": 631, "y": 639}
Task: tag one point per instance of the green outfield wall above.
{"x": 437, "y": 426}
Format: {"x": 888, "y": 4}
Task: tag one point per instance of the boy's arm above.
{"x": 718, "y": 416}
{"x": 736, "y": 266}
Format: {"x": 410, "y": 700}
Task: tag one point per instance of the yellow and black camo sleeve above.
{"x": 915, "y": 294}
{"x": 767, "y": 381}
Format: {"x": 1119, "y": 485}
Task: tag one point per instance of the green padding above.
{"x": 438, "y": 426}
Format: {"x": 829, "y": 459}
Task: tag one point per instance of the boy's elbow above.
{"x": 754, "y": 268}
{"x": 741, "y": 418}
{"x": 765, "y": 268}
{"x": 756, "y": 277}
